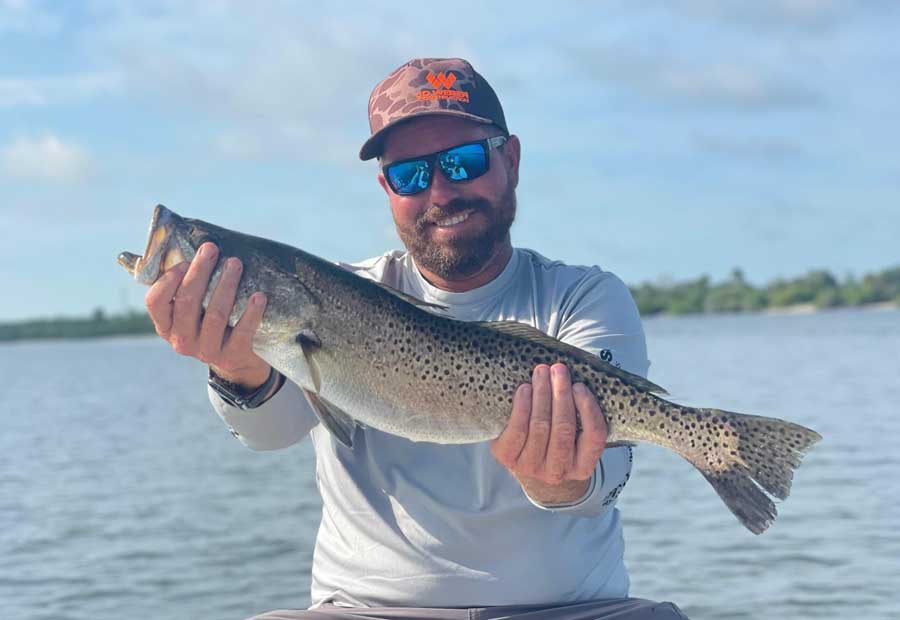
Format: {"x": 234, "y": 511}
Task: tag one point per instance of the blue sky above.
{"x": 660, "y": 139}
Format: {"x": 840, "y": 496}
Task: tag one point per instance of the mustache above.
{"x": 456, "y": 206}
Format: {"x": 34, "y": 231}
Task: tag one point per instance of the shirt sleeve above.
{"x": 600, "y": 316}
{"x": 281, "y": 421}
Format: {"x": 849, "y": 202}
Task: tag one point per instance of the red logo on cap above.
{"x": 442, "y": 83}
{"x": 442, "y": 79}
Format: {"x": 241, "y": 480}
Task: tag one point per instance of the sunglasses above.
{"x": 460, "y": 163}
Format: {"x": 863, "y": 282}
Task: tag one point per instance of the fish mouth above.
{"x": 160, "y": 254}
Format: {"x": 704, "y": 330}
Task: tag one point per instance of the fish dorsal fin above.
{"x": 523, "y": 330}
{"x": 410, "y": 299}
{"x": 338, "y": 423}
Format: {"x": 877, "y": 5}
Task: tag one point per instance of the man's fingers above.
{"x": 240, "y": 340}
{"x": 186, "y": 316}
{"x": 215, "y": 318}
{"x": 531, "y": 459}
{"x": 592, "y": 440}
{"x": 509, "y": 444}
{"x": 561, "y": 445}
{"x": 159, "y": 299}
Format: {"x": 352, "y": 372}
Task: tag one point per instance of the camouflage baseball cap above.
{"x": 426, "y": 86}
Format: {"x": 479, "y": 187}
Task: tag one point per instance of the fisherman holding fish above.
{"x": 523, "y": 526}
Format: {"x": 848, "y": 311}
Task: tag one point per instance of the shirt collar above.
{"x": 474, "y": 296}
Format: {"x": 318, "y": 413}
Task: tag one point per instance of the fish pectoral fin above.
{"x": 409, "y": 298}
{"x": 338, "y": 423}
{"x": 309, "y": 344}
{"x": 523, "y": 330}
{"x": 308, "y": 340}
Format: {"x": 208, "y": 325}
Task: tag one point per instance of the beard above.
{"x": 461, "y": 257}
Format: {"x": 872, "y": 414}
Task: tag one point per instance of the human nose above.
{"x": 442, "y": 190}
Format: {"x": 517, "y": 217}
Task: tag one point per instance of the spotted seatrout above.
{"x": 365, "y": 353}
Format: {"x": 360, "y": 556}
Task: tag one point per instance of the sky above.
{"x": 660, "y": 140}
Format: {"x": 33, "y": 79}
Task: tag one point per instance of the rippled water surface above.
{"x": 123, "y": 495}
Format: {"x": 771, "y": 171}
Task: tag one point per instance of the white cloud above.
{"x": 43, "y": 91}
{"x": 240, "y": 145}
{"x": 738, "y": 83}
{"x": 298, "y": 91}
{"x": 44, "y": 158}
{"x": 773, "y": 150}
{"x": 799, "y": 15}
{"x": 733, "y": 85}
{"x": 26, "y": 16}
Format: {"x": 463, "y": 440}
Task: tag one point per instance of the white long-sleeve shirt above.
{"x": 431, "y": 525}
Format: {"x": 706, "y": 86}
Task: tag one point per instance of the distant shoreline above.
{"x": 798, "y": 309}
{"x": 792, "y": 310}
{"x": 98, "y": 325}
{"x": 804, "y": 294}
{"x": 814, "y": 292}
{"x": 138, "y": 324}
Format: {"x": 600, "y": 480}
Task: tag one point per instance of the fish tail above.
{"x": 748, "y": 456}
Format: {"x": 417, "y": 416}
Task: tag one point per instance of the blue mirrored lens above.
{"x": 464, "y": 162}
{"x": 409, "y": 177}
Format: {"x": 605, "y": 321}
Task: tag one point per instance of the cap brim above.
{"x": 375, "y": 144}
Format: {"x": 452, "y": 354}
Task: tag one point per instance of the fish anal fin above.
{"x": 523, "y": 330}
{"x": 338, "y": 423}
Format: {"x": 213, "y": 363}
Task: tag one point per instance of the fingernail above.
{"x": 257, "y": 299}
{"x": 209, "y": 250}
{"x": 233, "y": 265}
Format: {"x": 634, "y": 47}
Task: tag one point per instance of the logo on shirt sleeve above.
{"x": 607, "y": 356}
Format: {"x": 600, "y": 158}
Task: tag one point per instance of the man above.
{"x": 523, "y": 526}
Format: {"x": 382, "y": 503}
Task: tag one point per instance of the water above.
{"x": 122, "y": 494}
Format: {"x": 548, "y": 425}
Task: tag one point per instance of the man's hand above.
{"x": 540, "y": 445}
{"x": 174, "y": 305}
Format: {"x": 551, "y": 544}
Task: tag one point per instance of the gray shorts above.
{"x": 608, "y": 609}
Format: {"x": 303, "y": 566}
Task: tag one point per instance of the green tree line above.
{"x": 98, "y": 324}
{"x": 819, "y": 288}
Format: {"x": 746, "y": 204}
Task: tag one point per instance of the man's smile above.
{"x": 454, "y": 220}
